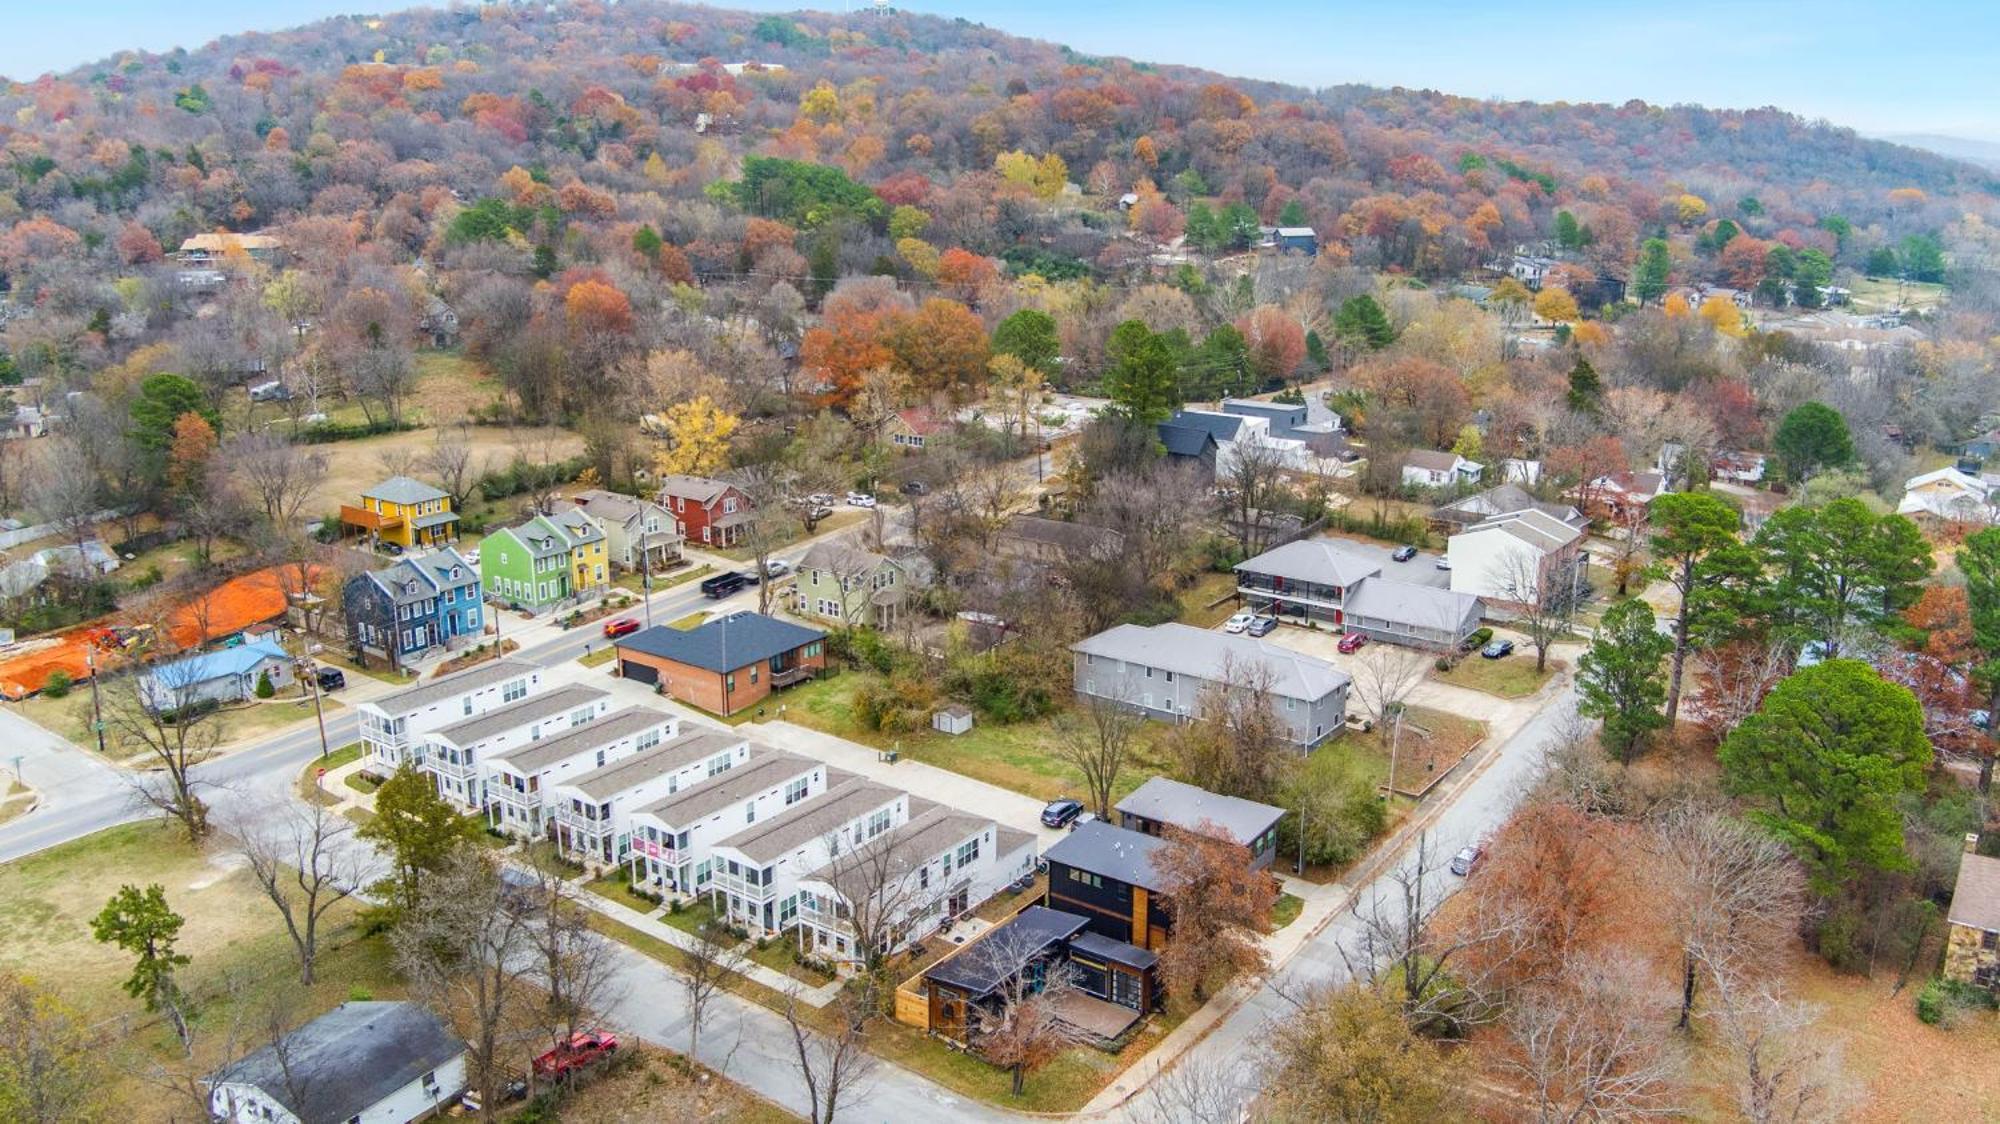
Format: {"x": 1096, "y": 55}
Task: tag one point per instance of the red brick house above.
{"x": 708, "y": 512}
{"x": 726, "y": 664}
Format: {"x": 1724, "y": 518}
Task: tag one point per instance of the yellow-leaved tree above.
{"x": 1724, "y": 315}
{"x": 1556, "y": 306}
{"x": 1690, "y": 208}
{"x": 698, "y": 433}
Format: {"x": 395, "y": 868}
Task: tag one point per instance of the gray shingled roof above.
{"x": 412, "y": 699}
{"x": 612, "y": 506}
{"x": 1408, "y": 603}
{"x": 402, "y": 489}
{"x": 1502, "y": 500}
{"x": 514, "y": 715}
{"x": 931, "y": 830}
{"x": 1431, "y": 459}
{"x": 700, "y": 489}
{"x": 347, "y": 1060}
{"x": 1204, "y": 654}
{"x": 669, "y": 756}
{"x": 1169, "y": 801}
{"x": 765, "y": 768}
{"x": 536, "y": 756}
{"x": 1222, "y": 427}
{"x": 1113, "y": 852}
{"x": 1542, "y": 531}
{"x": 745, "y": 637}
{"x": 1062, "y": 533}
{"x": 1322, "y": 561}
{"x": 1975, "y": 900}
{"x": 810, "y": 819}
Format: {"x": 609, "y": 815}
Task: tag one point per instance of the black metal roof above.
{"x": 981, "y": 967}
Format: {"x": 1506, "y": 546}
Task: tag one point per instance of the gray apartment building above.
{"x": 1163, "y": 670}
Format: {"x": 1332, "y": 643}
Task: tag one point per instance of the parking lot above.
{"x": 1421, "y": 570}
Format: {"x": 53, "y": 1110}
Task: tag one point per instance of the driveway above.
{"x": 1421, "y": 570}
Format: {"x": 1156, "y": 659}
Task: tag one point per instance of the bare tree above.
{"x": 17, "y": 478}
{"x": 1347, "y": 1054}
{"x": 1221, "y": 906}
{"x": 449, "y": 461}
{"x": 1096, "y": 746}
{"x": 1589, "y": 1045}
{"x": 880, "y": 894}
{"x": 66, "y": 493}
{"x": 1543, "y": 598}
{"x": 467, "y": 950}
{"x": 276, "y": 474}
{"x": 305, "y": 860}
{"x": 1238, "y": 745}
{"x": 1735, "y": 895}
{"x": 1021, "y": 1028}
{"x": 851, "y": 569}
{"x": 1785, "y": 1073}
{"x": 164, "y": 721}
{"x": 1201, "y": 1088}
{"x": 224, "y": 512}
{"x": 574, "y": 967}
{"x": 707, "y": 963}
{"x": 1253, "y": 482}
{"x": 833, "y": 1065}
{"x": 1399, "y": 948}
{"x": 1384, "y": 676}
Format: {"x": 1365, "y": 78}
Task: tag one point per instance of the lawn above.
{"x": 841, "y": 517}
{"x": 1286, "y": 911}
{"x": 1432, "y": 742}
{"x": 309, "y": 776}
{"x": 240, "y": 958}
{"x": 635, "y": 582}
{"x": 777, "y": 956}
{"x": 1881, "y": 293}
{"x": 1512, "y": 677}
{"x": 689, "y": 917}
{"x": 600, "y": 657}
{"x": 1016, "y": 756}
{"x": 690, "y": 622}
{"x": 246, "y": 721}
{"x": 1196, "y": 600}
{"x": 648, "y": 1083}
{"x": 15, "y": 800}
{"x": 67, "y": 717}
{"x": 618, "y": 888}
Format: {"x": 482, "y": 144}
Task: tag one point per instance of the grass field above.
{"x": 1018, "y": 757}
{"x": 618, "y": 888}
{"x": 69, "y": 717}
{"x": 1874, "y": 294}
{"x": 1513, "y": 677}
{"x": 1195, "y": 600}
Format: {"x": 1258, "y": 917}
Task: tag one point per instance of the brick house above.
{"x": 710, "y": 512}
{"x": 1972, "y": 940}
{"x": 727, "y": 664}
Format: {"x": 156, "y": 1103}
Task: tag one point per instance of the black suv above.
{"x": 330, "y": 678}
{"x": 1060, "y": 812}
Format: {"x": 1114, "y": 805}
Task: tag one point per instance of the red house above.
{"x": 711, "y": 512}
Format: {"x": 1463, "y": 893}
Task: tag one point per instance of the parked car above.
{"x": 1087, "y": 817}
{"x": 1263, "y": 626}
{"x": 1351, "y": 643}
{"x": 916, "y": 488}
{"x": 776, "y": 568}
{"x": 330, "y": 678}
{"x": 1058, "y": 813}
{"x": 1499, "y": 649}
{"x": 392, "y": 549}
{"x": 1349, "y": 456}
{"x": 820, "y": 499}
{"x": 1404, "y": 553}
{"x": 620, "y": 626}
{"x": 860, "y": 499}
{"x": 1239, "y": 622}
{"x": 722, "y": 585}
{"x": 1444, "y": 563}
{"x": 1468, "y": 859}
{"x": 583, "y": 1048}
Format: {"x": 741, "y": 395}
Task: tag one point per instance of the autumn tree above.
{"x": 1979, "y": 561}
{"x": 1276, "y": 342}
{"x": 189, "y": 453}
{"x": 1347, "y": 1054}
{"x": 1556, "y": 306}
{"x": 53, "y": 1069}
{"x": 698, "y": 433}
{"x": 1825, "y": 761}
{"x": 1732, "y": 895}
{"x": 1020, "y": 1027}
{"x": 942, "y": 349}
{"x": 1221, "y": 907}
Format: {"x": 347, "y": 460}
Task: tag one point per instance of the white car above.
{"x": 860, "y": 499}
{"x": 1239, "y": 622}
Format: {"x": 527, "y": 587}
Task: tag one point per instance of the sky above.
{"x": 1920, "y": 66}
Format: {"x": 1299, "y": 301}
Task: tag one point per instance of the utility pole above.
{"x": 646, "y": 574}
{"x": 312, "y": 678}
{"x": 1395, "y": 742}
{"x": 96, "y": 704}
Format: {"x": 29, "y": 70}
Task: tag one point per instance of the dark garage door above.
{"x": 644, "y": 673}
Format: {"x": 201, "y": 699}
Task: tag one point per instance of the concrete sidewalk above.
{"x": 649, "y": 924}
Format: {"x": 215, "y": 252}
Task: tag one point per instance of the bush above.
{"x": 1443, "y": 663}
{"x": 1942, "y": 1001}
{"x": 359, "y": 994}
{"x": 264, "y": 688}
{"x": 58, "y": 685}
{"x": 1479, "y": 638}
{"x": 324, "y": 432}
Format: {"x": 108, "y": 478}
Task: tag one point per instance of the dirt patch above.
{"x": 658, "y": 1085}
{"x": 355, "y": 465}
{"x": 220, "y": 866}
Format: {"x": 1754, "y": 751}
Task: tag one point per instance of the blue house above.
{"x": 226, "y": 675}
{"x": 421, "y": 606}
{"x": 1297, "y": 240}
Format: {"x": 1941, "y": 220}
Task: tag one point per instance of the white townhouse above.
{"x": 593, "y": 812}
{"x": 452, "y": 755}
{"x": 673, "y": 840}
{"x": 518, "y": 781}
{"x": 392, "y": 726}
{"x": 942, "y": 864}
{"x": 756, "y": 871}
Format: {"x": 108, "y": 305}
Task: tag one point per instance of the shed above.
{"x": 953, "y": 719}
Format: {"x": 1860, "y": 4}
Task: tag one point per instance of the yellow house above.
{"x": 409, "y": 513}
{"x": 589, "y": 553}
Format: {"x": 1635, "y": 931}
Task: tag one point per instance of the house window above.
{"x": 1086, "y": 878}
{"x": 600, "y": 759}
{"x": 1989, "y": 940}
{"x": 968, "y": 851}
{"x": 647, "y": 740}
{"x": 796, "y": 791}
{"x": 515, "y": 689}
{"x": 750, "y": 812}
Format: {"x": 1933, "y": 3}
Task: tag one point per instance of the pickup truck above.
{"x": 585, "y": 1048}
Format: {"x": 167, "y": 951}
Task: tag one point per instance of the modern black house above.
{"x": 1115, "y": 979}
{"x": 1161, "y": 803}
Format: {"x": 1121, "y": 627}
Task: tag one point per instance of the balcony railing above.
{"x": 1290, "y": 591}
{"x": 791, "y": 675}
{"x": 741, "y": 887}
{"x": 446, "y": 768}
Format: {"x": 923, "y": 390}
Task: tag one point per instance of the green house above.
{"x": 527, "y": 566}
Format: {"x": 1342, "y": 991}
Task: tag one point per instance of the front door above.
{"x": 1127, "y": 990}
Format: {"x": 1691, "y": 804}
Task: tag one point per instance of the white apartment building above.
{"x": 755, "y": 872}
{"x": 517, "y": 782}
{"x": 673, "y": 839}
{"x": 942, "y": 863}
{"x": 452, "y": 755}
{"x": 392, "y": 726}
{"x": 593, "y": 812}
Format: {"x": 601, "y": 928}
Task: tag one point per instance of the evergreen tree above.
{"x": 1361, "y": 323}
{"x": 1294, "y": 214}
{"x": 1143, "y": 382}
{"x": 1619, "y": 677}
{"x": 1882, "y": 262}
{"x": 1649, "y": 277}
{"x": 418, "y": 829}
{"x": 1569, "y": 233}
{"x": 1812, "y": 437}
{"x": 1030, "y": 336}
{"x": 1316, "y": 352}
{"x": 1586, "y": 390}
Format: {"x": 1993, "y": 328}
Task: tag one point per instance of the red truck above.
{"x": 585, "y": 1048}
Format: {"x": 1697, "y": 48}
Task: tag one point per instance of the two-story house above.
{"x": 709, "y": 512}
{"x": 852, "y": 587}
{"x": 1525, "y": 557}
{"x": 421, "y": 606}
{"x": 673, "y": 839}
{"x": 639, "y": 534}
{"x": 1170, "y": 672}
{"x": 915, "y": 428}
{"x": 1163, "y": 803}
{"x": 593, "y": 812}
{"x": 755, "y": 872}
{"x": 726, "y": 664}
{"x": 939, "y": 865}
{"x": 392, "y": 727}
{"x": 452, "y": 755}
{"x": 1107, "y": 875}
{"x": 518, "y": 781}
{"x": 544, "y": 561}
{"x": 1328, "y": 582}
{"x": 406, "y": 512}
